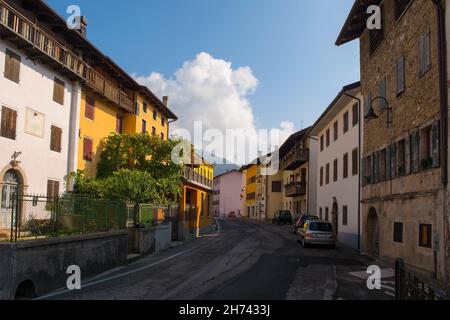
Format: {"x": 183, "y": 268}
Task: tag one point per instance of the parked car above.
{"x": 282, "y": 216}
{"x": 316, "y": 232}
{"x": 301, "y": 220}
{"x": 232, "y": 215}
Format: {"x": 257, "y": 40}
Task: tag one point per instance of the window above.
{"x": 327, "y": 173}
{"x": 382, "y": 165}
{"x": 12, "y": 66}
{"x": 345, "y": 166}
{"x": 163, "y": 121}
{"x": 8, "y": 124}
{"x": 144, "y": 126}
{"x": 335, "y": 170}
{"x": 425, "y": 53}
{"x": 401, "y": 77}
{"x": 355, "y": 161}
{"x": 144, "y": 107}
{"x": 326, "y": 214}
{"x": 251, "y": 196}
{"x": 367, "y": 103}
{"x": 376, "y": 36}
{"x": 425, "y": 235}
{"x": 382, "y": 94}
{"x": 162, "y": 136}
{"x": 321, "y": 143}
{"x": 355, "y": 115}
{"x": 52, "y": 189}
{"x": 88, "y": 149}
{"x": 153, "y": 131}
{"x": 321, "y": 176}
{"x": 425, "y": 148}
{"x": 276, "y": 186}
{"x": 399, "y": 7}
{"x": 401, "y": 157}
{"x": 320, "y": 213}
{"x": 398, "y": 232}
{"x": 89, "y": 111}
{"x": 55, "y": 139}
{"x": 344, "y": 215}
{"x": 328, "y": 137}
{"x": 137, "y": 108}
{"x": 335, "y": 129}
{"x": 58, "y": 91}
{"x": 119, "y": 124}
{"x": 155, "y": 115}
{"x": 345, "y": 122}
{"x": 415, "y": 150}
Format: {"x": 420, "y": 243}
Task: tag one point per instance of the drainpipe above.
{"x": 359, "y": 167}
{"x": 443, "y": 90}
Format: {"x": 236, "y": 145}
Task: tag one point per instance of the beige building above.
{"x": 404, "y": 167}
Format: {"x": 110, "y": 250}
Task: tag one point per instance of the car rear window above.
{"x": 285, "y": 213}
{"x": 321, "y": 226}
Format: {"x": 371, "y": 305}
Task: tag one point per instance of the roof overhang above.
{"x": 356, "y": 21}
{"x": 146, "y": 91}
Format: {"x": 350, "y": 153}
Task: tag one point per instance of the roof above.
{"x": 356, "y": 21}
{"x": 290, "y": 142}
{"x": 335, "y": 106}
{"x": 85, "y": 44}
{"x": 226, "y": 173}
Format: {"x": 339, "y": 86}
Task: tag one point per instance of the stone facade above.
{"x": 402, "y": 203}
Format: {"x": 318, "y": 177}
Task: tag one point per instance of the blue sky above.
{"x": 288, "y": 44}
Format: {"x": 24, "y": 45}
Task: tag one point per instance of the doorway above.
{"x": 11, "y": 186}
{"x": 372, "y": 242}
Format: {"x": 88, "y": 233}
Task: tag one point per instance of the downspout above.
{"x": 443, "y": 90}
{"x": 359, "y": 167}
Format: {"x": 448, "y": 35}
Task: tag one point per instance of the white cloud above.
{"x": 209, "y": 90}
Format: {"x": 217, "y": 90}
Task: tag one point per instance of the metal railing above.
{"x": 191, "y": 176}
{"x": 40, "y": 40}
{"x": 410, "y": 286}
{"x": 39, "y": 217}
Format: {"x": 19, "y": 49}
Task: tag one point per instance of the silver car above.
{"x": 317, "y": 232}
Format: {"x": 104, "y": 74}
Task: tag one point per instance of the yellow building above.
{"x": 195, "y": 210}
{"x": 249, "y": 210}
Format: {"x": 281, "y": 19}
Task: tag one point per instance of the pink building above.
{"x": 227, "y": 190}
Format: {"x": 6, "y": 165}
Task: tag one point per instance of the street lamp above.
{"x": 371, "y": 115}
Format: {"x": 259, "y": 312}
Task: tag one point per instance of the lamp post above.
{"x": 371, "y": 115}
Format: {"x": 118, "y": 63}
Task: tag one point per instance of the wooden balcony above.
{"x": 39, "y": 45}
{"x": 191, "y": 176}
{"x": 295, "y": 189}
{"x": 295, "y": 158}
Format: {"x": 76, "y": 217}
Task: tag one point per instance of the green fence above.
{"x": 35, "y": 217}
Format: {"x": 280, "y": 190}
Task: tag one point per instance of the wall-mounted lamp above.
{"x": 371, "y": 115}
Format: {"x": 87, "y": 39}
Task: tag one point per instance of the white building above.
{"x": 338, "y": 158}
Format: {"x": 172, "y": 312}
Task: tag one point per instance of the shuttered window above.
{"x": 382, "y": 165}
{"x": 388, "y": 163}
{"x": 137, "y": 108}
{"x": 401, "y": 158}
{"x": 321, "y": 143}
{"x": 119, "y": 124}
{"x": 321, "y": 176}
{"x": 153, "y": 131}
{"x": 144, "y": 126}
{"x": 407, "y": 155}
{"x": 400, "y": 74}
{"x": 425, "y": 235}
{"x": 144, "y": 107}
{"x": 155, "y": 115}
{"x": 327, "y": 173}
{"x": 163, "y": 121}
{"x": 52, "y": 189}
{"x": 345, "y": 122}
{"x": 87, "y": 149}
{"x": 335, "y": 170}
{"x": 435, "y": 144}
{"x": 55, "y": 139}
{"x": 89, "y": 111}
{"x": 367, "y": 103}
{"x": 344, "y": 215}
{"x": 376, "y": 167}
{"x": 355, "y": 113}
{"x": 425, "y": 53}
{"x": 328, "y": 137}
{"x": 415, "y": 152}
{"x": 8, "y": 123}
{"x": 345, "y": 166}
{"x": 12, "y": 66}
{"x": 398, "y": 232}
{"x": 355, "y": 161}
{"x": 335, "y": 131}
{"x": 393, "y": 152}
{"x": 58, "y": 91}
{"x": 162, "y": 136}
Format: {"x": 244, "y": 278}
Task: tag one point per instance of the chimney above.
{"x": 83, "y": 26}
{"x": 166, "y": 101}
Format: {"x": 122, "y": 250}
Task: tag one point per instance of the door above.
{"x": 9, "y": 189}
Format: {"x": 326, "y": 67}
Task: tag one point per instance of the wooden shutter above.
{"x": 87, "y": 149}
{"x": 393, "y": 148}
{"x": 58, "y": 91}
{"x": 388, "y": 163}
{"x": 363, "y": 171}
{"x": 12, "y": 66}
{"x": 355, "y": 162}
{"x": 355, "y": 114}
{"x": 345, "y": 167}
{"x": 435, "y": 144}
{"x": 55, "y": 139}
{"x": 376, "y": 167}
{"x": 137, "y": 108}
{"x": 8, "y": 123}
{"x": 52, "y": 188}
{"x": 119, "y": 124}
{"x": 367, "y": 103}
{"x": 415, "y": 152}
{"x": 90, "y": 108}
{"x": 382, "y": 93}
{"x": 407, "y": 155}
{"x": 401, "y": 75}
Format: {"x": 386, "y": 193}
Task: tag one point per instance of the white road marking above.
{"x": 90, "y": 284}
{"x": 390, "y": 294}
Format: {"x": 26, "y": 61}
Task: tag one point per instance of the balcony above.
{"x": 295, "y": 158}
{"x": 191, "y": 176}
{"x": 294, "y": 189}
{"x": 38, "y": 44}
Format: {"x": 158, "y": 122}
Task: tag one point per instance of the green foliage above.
{"x": 136, "y": 168}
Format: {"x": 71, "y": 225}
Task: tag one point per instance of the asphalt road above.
{"x": 242, "y": 261}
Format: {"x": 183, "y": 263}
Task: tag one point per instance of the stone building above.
{"x": 404, "y": 167}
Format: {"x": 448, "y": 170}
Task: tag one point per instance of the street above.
{"x": 243, "y": 260}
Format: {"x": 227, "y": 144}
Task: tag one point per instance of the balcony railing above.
{"x": 294, "y": 189}
{"x": 191, "y": 176}
{"x": 35, "y": 38}
{"x": 295, "y": 159}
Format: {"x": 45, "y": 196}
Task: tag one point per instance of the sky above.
{"x": 256, "y": 64}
